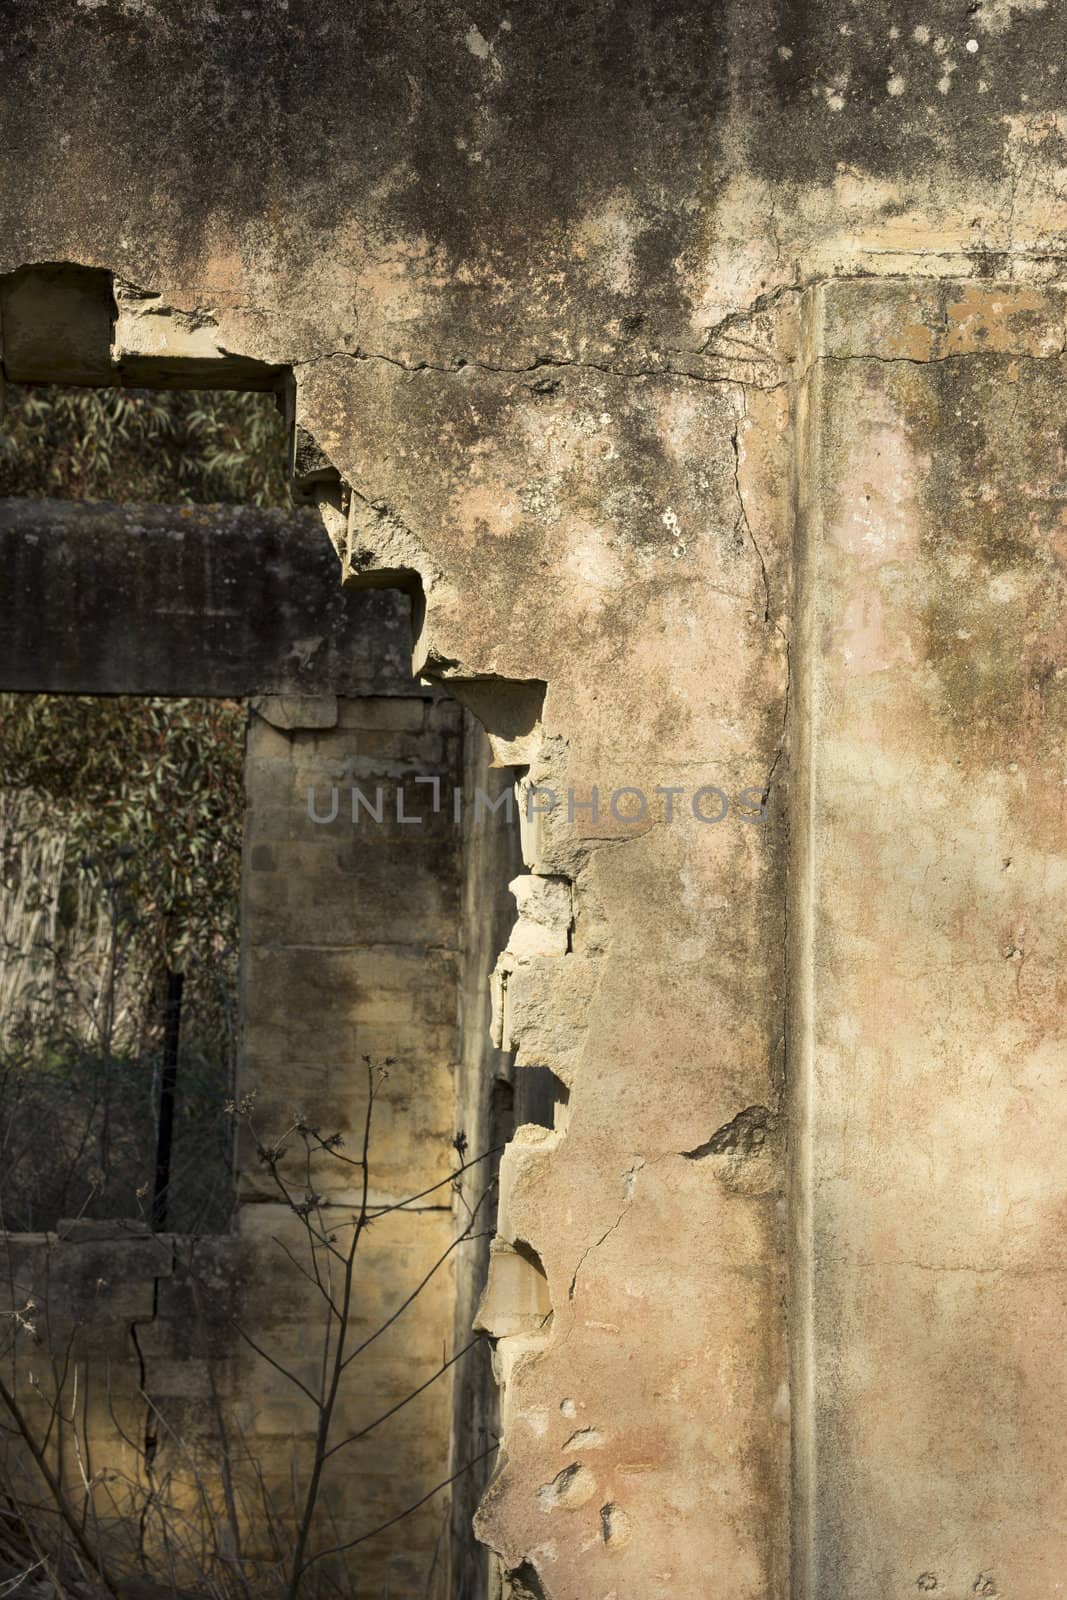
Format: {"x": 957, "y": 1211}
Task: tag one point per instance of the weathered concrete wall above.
{"x": 351, "y": 929}
{"x": 604, "y": 184}
{"x": 351, "y": 948}
{"x": 932, "y": 964}
{"x": 490, "y": 1099}
{"x": 71, "y": 1306}
{"x": 366, "y": 937}
{"x": 543, "y": 279}
{"x": 175, "y": 1441}
{"x": 167, "y": 1351}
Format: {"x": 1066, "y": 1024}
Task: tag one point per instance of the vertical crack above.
{"x": 742, "y": 513}
{"x": 595, "y": 1246}
{"x": 150, "y": 1436}
{"x": 785, "y": 711}
{"x": 744, "y": 524}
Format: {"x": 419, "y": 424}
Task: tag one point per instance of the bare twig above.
{"x": 372, "y": 1533}
{"x": 55, "y": 1489}
{"x": 363, "y": 1432}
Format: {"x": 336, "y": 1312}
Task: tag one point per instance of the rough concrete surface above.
{"x": 694, "y": 367}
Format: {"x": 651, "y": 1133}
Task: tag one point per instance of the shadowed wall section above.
{"x": 366, "y": 934}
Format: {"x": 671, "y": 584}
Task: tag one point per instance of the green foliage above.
{"x": 149, "y": 793}
{"x": 185, "y": 447}
{"x": 144, "y": 798}
{"x": 120, "y": 832}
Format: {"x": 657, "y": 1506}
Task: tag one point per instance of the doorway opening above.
{"x": 219, "y": 607}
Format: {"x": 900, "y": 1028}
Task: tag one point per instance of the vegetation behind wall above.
{"x": 120, "y": 859}
{"x": 174, "y": 447}
{"x": 120, "y": 824}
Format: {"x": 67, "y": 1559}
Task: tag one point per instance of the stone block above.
{"x": 291, "y": 712}
{"x": 516, "y": 1298}
{"x": 384, "y": 713}
{"x": 543, "y": 925}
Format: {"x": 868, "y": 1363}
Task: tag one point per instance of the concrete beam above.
{"x": 205, "y": 600}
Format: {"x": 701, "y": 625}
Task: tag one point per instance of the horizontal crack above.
{"x": 559, "y": 363}
{"x": 952, "y": 355}
{"x": 725, "y": 381}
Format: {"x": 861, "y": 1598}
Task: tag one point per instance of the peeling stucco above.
{"x": 631, "y": 342}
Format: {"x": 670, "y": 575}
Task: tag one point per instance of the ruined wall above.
{"x": 490, "y": 1099}
{"x": 930, "y": 1057}
{"x": 546, "y": 280}
{"x": 166, "y": 1351}
{"x": 655, "y": 986}
{"x": 159, "y": 1353}
{"x": 351, "y": 948}
{"x": 219, "y": 600}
